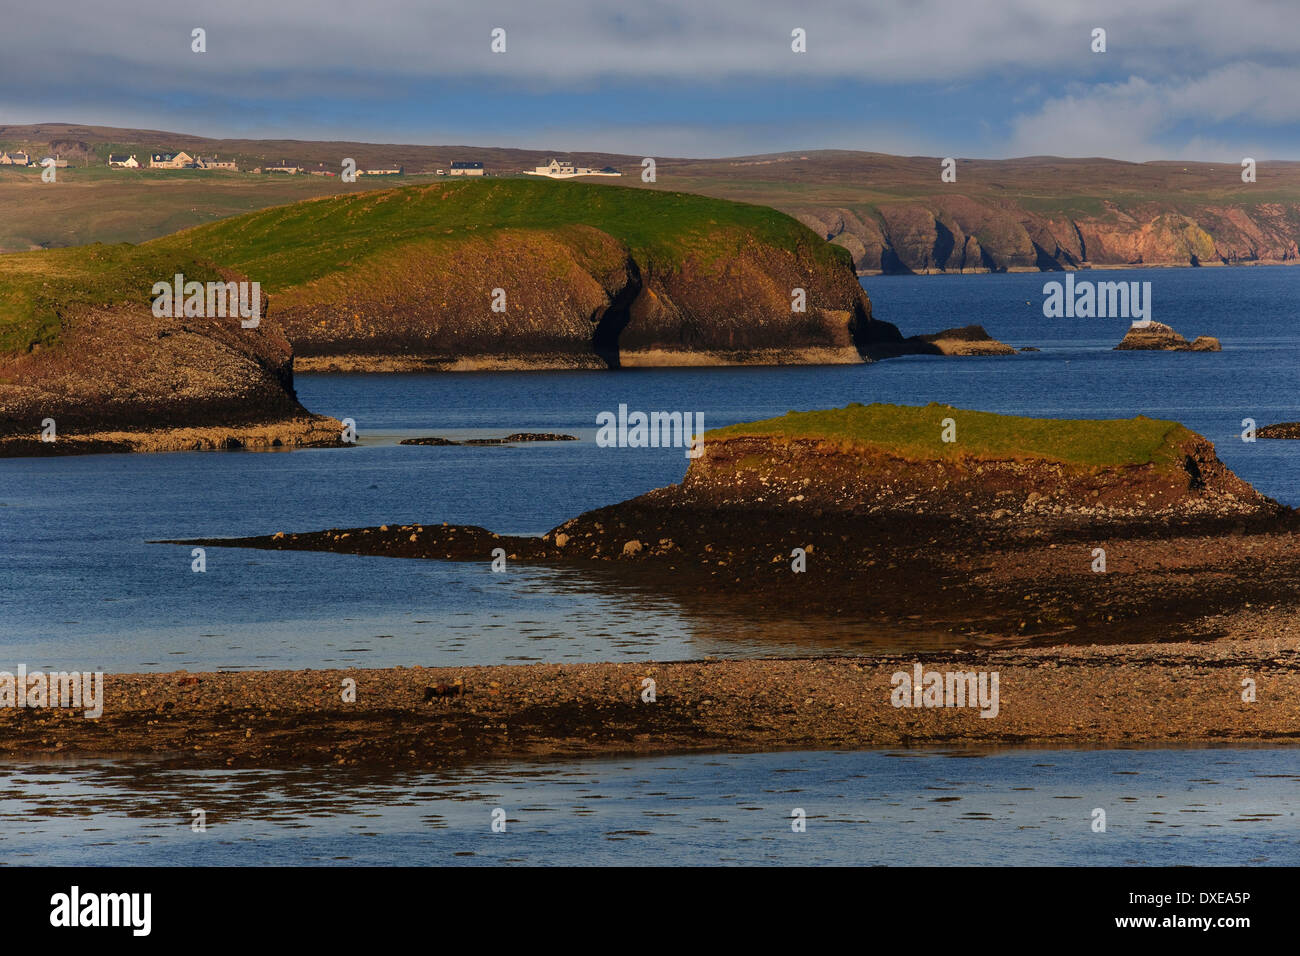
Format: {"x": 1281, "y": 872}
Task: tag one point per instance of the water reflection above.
{"x": 1229, "y": 806}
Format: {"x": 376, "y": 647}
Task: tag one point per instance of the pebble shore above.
{"x": 1115, "y": 696}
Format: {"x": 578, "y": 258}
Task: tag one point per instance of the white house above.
{"x": 180, "y": 160}
{"x": 557, "y": 169}
{"x": 467, "y": 169}
{"x": 211, "y": 162}
{"x": 122, "y": 161}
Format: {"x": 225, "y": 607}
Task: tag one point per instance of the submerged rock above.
{"x": 967, "y": 340}
{"x": 517, "y": 437}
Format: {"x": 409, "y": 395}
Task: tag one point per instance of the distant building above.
{"x": 15, "y": 159}
{"x": 284, "y": 166}
{"x": 563, "y": 169}
{"x": 180, "y": 160}
{"x": 214, "y": 163}
{"x": 556, "y": 169}
{"x": 123, "y": 161}
{"x": 381, "y": 171}
{"x": 54, "y": 161}
{"x": 467, "y": 169}
{"x": 320, "y": 169}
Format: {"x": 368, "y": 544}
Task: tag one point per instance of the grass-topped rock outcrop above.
{"x": 1021, "y": 528}
{"x": 963, "y": 464}
{"x": 456, "y": 275}
{"x": 579, "y": 274}
{"x": 80, "y": 345}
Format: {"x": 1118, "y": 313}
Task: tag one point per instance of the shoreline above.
{"x": 1090, "y": 267}
{"x": 352, "y": 363}
{"x": 1119, "y": 695}
{"x": 309, "y": 431}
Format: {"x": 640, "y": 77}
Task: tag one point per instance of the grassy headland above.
{"x": 583, "y": 274}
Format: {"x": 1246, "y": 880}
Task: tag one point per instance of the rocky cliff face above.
{"x": 961, "y": 234}
{"x": 121, "y": 379}
{"x": 575, "y": 297}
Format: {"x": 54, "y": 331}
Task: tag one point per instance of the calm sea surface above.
{"x": 81, "y": 588}
{"x": 1222, "y": 807}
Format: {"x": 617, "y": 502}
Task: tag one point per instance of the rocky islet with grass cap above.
{"x": 995, "y": 533}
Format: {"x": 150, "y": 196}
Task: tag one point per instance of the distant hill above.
{"x": 892, "y": 213}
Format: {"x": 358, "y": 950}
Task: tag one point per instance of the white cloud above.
{"x": 1141, "y": 120}
{"x": 309, "y": 68}
{"x": 565, "y": 41}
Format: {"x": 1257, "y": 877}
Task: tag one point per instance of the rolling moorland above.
{"x": 892, "y": 213}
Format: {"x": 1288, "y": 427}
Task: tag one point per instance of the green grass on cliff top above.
{"x": 287, "y": 246}
{"x": 915, "y": 432}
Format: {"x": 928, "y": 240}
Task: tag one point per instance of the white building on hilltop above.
{"x": 557, "y": 169}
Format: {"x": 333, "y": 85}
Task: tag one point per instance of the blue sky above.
{"x": 1178, "y": 80}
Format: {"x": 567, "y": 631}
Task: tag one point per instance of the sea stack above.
{"x": 1158, "y": 337}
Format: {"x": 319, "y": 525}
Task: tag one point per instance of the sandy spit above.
{"x": 1110, "y": 696}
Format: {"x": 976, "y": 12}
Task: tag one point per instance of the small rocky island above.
{"x": 996, "y": 532}
{"x": 1280, "y": 430}
{"x": 1158, "y": 337}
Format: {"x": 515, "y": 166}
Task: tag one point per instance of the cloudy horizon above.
{"x": 676, "y": 78}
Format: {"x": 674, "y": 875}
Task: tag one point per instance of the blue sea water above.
{"x": 82, "y": 588}
{"x": 1216, "y": 806}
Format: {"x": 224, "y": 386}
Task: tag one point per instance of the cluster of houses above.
{"x": 290, "y": 168}
{"x": 554, "y": 168}
{"x": 25, "y": 159}
{"x": 181, "y": 160}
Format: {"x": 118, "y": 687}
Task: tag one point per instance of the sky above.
{"x": 1184, "y": 80}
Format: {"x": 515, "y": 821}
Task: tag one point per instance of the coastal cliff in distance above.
{"x": 1037, "y": 213}
{"x": 965, "y": 235}
{"x": 533, "y": 274}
